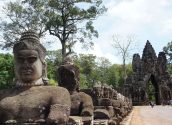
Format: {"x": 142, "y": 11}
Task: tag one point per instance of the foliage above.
{"x": 69, "y": 20}
{"x": 103, "y": 64}
{"x": 54, "y": 56}
{"x": 6, "y": 70}
{"x": 53, "y": 59}
{"x": 52, "y": 82}
{"x": 51, "y": 70}
{"x": 21, "y": 17}
{"x": 151, "y": 91}
{"x": 65, "y": 19}
{"x": 168, "y": 51}
{"x": 169, "y": 67}
{"x": 124, "y": 47}
{"x": 115, "y": 77}
{"x": 86, "y": 64}
{"x": 92, "y": 70}
{"x": 83, "y": 81}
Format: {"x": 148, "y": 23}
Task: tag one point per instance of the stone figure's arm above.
{"x": 87, "y": 105}
{"x": 2, "y": 94}
{"x": 60, "y": 107}
{"x": 1, "y": 97}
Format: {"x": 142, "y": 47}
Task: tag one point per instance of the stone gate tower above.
{"x": 149, "y": 69}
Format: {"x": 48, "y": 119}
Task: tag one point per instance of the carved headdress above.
{"x": 30, "y": 40}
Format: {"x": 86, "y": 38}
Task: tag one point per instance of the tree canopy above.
{"x": 6, "y": 70}
{"x": 124, "y": 47}
{"x": 92, "y": 70}
{"x": 168, "y": 51}
{"x": 20, "y": 17}
{"x": 69, "y": 20}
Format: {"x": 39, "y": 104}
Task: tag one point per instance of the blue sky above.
{"x": 145, "y": 19}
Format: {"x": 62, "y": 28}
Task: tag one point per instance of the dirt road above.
{"x": 145, "y": 115}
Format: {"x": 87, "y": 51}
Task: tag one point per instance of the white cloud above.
{"x": 134, "y": 15}
{"x": 99, "y": 52}
{"x": 147, "y": 19}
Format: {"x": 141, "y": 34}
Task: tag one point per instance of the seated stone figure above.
{"x": 81, "y": 103}
{"x": 30, "y": 101}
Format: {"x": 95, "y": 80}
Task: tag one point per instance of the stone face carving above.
{"x": 30, "y": 101}
{"x": 161, "y": 64}
{"x": 149, "y": 58}
{"x": 149, "y": 68}
{"x": 136, "y": 65}
{"x": 82, "y": 104}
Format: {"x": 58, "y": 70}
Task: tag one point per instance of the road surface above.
{"x": 145, "y": 115}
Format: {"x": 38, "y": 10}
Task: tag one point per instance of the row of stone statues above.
{"x": 100, "y": 102}
{"x": 32, "y": 101}
{"x": 111, "y": 105}
{"x": 103, "y": 90}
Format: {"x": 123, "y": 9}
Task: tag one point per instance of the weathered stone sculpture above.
{"x": 136, "y": 65}
{"x": 149, "y": 68}
{"x": 82, "y": 104}
{"x": 111, "y": 107}
{"x": 30, "y": 101}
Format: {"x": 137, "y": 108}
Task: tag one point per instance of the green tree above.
{"x": 69, "y": 20}
{"x": 115, "y": 75}
{"x": 112, "y": 76}
{"x": 54, "y": 60}
{"x": 123, "y": 47}
{"x": 65, "y": 19}
{"x": 103, "y": 65}
{"x": 151, "y": 91}
{"x": 168, "y": 51}
{"x": 21, "y": 17}
{"x": 55, "y": 56}
{"x": 6, "y": 70}
{"x": 86, "y": 64}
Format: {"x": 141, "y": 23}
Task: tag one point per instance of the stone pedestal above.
{"x": 100, "y": 122}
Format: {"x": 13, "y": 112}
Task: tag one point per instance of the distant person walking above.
{"x": 151, "y": 104}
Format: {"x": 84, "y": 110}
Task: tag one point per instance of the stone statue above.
{"x": 30, "y": 101}
{"x": 82, "y": 104}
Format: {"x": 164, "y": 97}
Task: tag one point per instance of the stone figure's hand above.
{"x": 86, "y": 113}
{"x": 59, "y": 114}
{"x": 57, "y": 121}
{"x": 40, "y": 121}
{"x": 11, "y": 121}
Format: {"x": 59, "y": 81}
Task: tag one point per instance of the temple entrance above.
{"x": 150, "y": 80}
{"x": 152, "y": 90}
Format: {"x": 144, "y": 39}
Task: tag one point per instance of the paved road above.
{"x": 145, "y": 115}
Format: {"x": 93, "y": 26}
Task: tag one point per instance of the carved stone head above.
{"x": 29, "y": 57}
{"x": 69, "y": 77}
